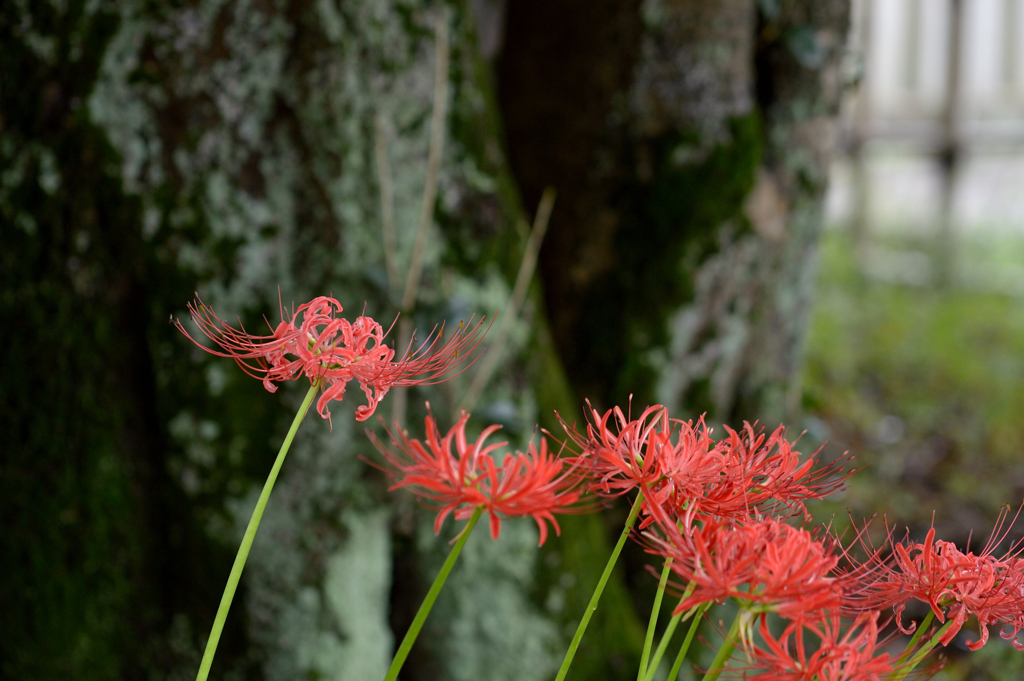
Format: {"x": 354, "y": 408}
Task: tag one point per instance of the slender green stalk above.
{"x": 655, "y": 611}
{"x": 592, "y": 606}
{"x": 666, "y": 638}
{"x": 921, "y": 628}
{"x": 250, "y": 533}
{"x": 428, "y": 601}
{"x": 681, "y": 655}
{"x": 725, "y": 652}
{"x": 922, "y": 653}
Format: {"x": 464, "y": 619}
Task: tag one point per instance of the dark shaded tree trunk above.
{"x": 232, "y": 148}
{"x": 689, "y": 142}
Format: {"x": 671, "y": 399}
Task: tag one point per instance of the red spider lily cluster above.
{"x": 955, "y": 585}
{"x": 317, "y": 343}
{"x": 725, "y": 517}
{"x": 719, "y": 513}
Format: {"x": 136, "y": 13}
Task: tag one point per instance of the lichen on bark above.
{"x": 736, "y": 349}
{"x": 245, "y": 136}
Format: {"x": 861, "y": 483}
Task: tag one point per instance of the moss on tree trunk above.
{"x": 689, "y": 142}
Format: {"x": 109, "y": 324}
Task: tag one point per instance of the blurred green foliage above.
{"x": 926, "y": 388}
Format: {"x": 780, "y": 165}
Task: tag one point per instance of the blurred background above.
{"x": 798, "y": 211}
{"x": 915, "y": 358}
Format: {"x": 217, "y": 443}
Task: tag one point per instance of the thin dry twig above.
{"x": 437, "y": 126}
{"x": 526, "y": 268}
{"x": 387, "y": 202}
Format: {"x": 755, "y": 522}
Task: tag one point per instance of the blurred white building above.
{"x": 935, "y": 159}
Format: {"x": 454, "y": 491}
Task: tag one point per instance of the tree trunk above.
{"x": 689, "y": 143}
{"x": 242, "y": 149}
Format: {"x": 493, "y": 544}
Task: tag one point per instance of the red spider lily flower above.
{"x": 321, "y": 346}
{"x": 671, "y": 461}
{"x": 954, "y": 584}
{"x": 837, "y": 656}
{"x": 459, "y": 476}
{"x": 615, "y": 456}
{"x": 684, "y": 474}
{"x": 765, "y": 565}
{"x": 763, "y": 475}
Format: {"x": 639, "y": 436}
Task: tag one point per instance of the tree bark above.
{"x": 689, "y": 142}
{"x": 234, "y": 148}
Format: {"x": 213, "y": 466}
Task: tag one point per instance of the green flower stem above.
{"x": 592, "y": 606}
{"x": 923, "y": 652}
{"x": 698, "y": 613}
{"x": 666, "y": 638}
{"x": 921, "y": 628}
{"x": 655, "y": 611}
{"x": 250, "y": 533}
{"x": 428, "y": 601}
{"x": 725, "y": 652}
